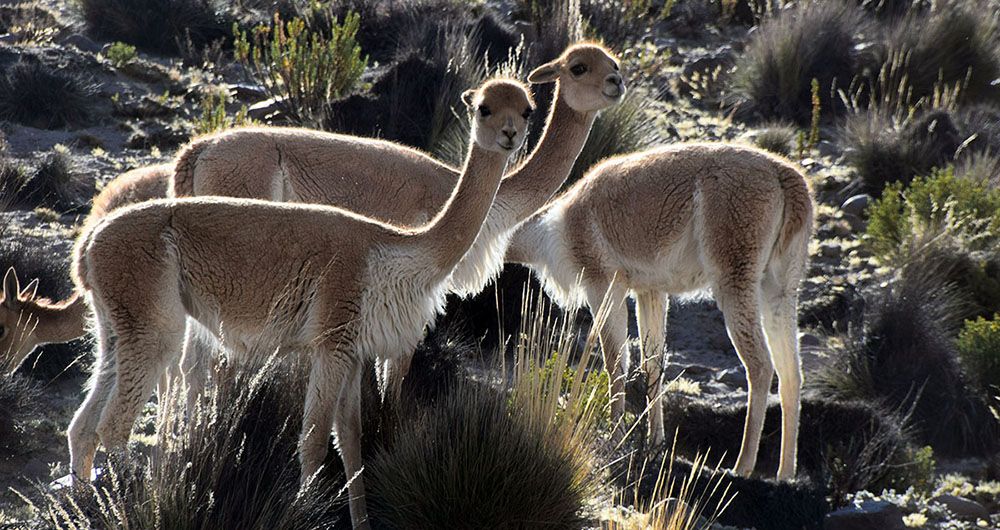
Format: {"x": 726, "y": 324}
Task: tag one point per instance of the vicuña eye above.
{"x": 485, "y": 111}
{"x": 578, "y": 70}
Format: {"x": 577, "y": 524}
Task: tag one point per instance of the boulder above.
{"x": 856, "y": 205}
{"x": 962, "y": 507}
{"x": 870, "y": 515}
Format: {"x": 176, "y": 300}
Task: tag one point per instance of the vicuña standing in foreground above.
{"x": 402, "y": 186}
{"x": 679, "y": 219}
{"x": 268, "y": 277}
{"x": 27, "y": 321}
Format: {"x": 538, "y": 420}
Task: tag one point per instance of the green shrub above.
{"x": 158, "y": 25}
{"x": 979, "y": 346}
{"x": 121, "y": 54}
{"x": 814, "y": 40}
{"x": 34, "y": 94}
{"x": 301, "y": 67}
{"x": 213, "y": 117}
{"x": 940, "y": 203}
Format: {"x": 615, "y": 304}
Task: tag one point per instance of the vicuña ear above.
{"x": 11, "y": 288}
{"x": 546, "y": 73}
{"x": 29, "y": 292}
{"x": 467, "y": 97}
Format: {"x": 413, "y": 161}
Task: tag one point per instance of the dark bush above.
{"x": 231, "y": 463}
{"x": 18, "y": 404}
{"x": 847, "y": 446}
{"x": 902, "y": 354}
{"x": 472, "y": 461}
{"x": 37, "y": 95}
{"x": 756, "y": 504}
{"x": 162, "y": 26}
{"x": 815, "y": 40}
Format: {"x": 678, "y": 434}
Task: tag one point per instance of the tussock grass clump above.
{"x": 18, "y": 404}
{"x": 776, "y": 137}
{"x": 952, "y": 45}
{"x": 37, "y": 95}
{"x": 814, "y": 40}
{"x": 979, "y": 347}
{"x": 883, "y": 149}
{"x": 303, "y": 67}
{"x": 161, "y": 26}
{"x": 474, "y": 461}
{"x": 57, "y": 184}
{"x": 485, "y": 457}
{"x": 230, "y": 463}
{"x": 902, "y": 354}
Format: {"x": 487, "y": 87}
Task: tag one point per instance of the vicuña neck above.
{"x": 452, "y": 231}
{"x": 61, "y": 322}
{"x": 527, "y": 188}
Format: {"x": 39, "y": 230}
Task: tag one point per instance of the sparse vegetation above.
{"x": 214, "y": 117}
{"x": 18, "y": 404}
{"x": 776, "y": 138}
{"x": 228, "y": 464}
{"x": 41, "y": 96}
{"x": 301, "y": 67}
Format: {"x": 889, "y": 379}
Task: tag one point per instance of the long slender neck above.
{"x": 527, "y": 188}
{"x": 61, "y": 322}
{"x": 450, "y": 234}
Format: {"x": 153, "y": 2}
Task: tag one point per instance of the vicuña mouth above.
{"x": 614, "y": 95}
{"x": 507, "y": 146}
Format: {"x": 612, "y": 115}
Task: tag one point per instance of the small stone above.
{"x": 871, "y": 515}
{"x": 808, "y": 340}
{"x": 82, "y": 43}
{"x": 807, "y": 162}
{"x": 829, "y": 250}
{"x": 856, "y": 205}
{"x": 733, "y": 377}
{"x": 856, "y": 223}
{"x": 962, "y": 507}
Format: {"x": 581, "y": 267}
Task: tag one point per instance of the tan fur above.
{"x": 674, "y": 220}
{"x": 331, "y": 284}
{"x": 26, "y": 321}
{"x": 403, "y": 186}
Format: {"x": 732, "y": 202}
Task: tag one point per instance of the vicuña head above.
{"x": 27, "y": 321}
{"x": 588, "y": 76}
{"x": 501, "y": 108}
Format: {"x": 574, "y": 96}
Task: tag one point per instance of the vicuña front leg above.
{"x": 82, "y": 432}
{"x": 651, "y": 312}
{"x": 741, "y": 309}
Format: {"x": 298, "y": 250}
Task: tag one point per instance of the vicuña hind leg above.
{"x": 142, "y": 355}
{"x": 741, "y": 309}
{"x": 781, "y": 324}
{"x": 82, "y": 432}
{"x": 651, "y": 312}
